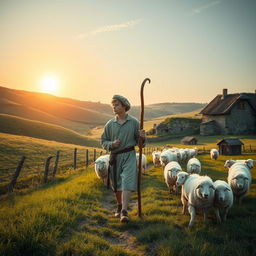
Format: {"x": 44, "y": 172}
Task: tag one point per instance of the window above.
{"x": 241, "y": 105}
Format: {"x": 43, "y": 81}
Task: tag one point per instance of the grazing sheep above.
{"x": 193, "y": 166}
{"x": 101, "y": 167}
{"x": 156, "y": 158}
{"x": 239, "y": 179}
{"x": 223, "y": 199}
{"x": 248, "y": 162}
{"x": 214, "y": 153}
{"x": 170, "y": 174}
{"x": 198, "y": 192}
{"x": 143, "y": 162}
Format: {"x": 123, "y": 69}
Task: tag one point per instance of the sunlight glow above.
{"x": 49, "y": 84}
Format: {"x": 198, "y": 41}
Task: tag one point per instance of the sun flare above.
{"x": 49, "y": 84}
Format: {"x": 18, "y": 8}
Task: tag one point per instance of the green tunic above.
{"x": 128, "y": 134}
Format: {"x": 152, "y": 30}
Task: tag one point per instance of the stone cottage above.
{"x": 230, "y": 114}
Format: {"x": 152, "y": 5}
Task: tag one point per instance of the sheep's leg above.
{"x": 205, "y": 216}
{"x": 184, "y": 204}
{"x": 192, "y": 212}
{"x": 225, "y": 214}
{"x": 217, "y": 214}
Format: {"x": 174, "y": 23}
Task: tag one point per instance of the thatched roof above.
{"x": 221, "y": 106}
{"x": 188, "y": 139}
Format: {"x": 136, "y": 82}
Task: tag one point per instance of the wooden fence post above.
{"x": 94, "y": 155}
{"x": 56, "y": 164}
{"x": 16, "y": 174}
{"x": 46, "y": 170}
{"x": 75, "y": 154}
{"x": 87, "y": 158}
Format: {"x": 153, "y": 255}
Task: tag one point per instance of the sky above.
{"x": 91, "y": 50}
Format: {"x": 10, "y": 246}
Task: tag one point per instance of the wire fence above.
{"x": 39, "y": 168}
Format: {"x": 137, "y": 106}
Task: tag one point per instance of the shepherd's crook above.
{"x": 140, "y": 142}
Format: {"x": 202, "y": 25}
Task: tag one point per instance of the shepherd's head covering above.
{"x": 123, "y": 100}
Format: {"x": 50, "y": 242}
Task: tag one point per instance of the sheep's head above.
{"x": 240, "y": 182}
{"x": 205, "y": 190}
{"x": 221, "y": 193}
{"x": 181, "y": 178}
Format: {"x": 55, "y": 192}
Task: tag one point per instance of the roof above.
{"x": 220, "y": 106}
{"x": 188, "y": 138}
{"x": 232, "y": 142}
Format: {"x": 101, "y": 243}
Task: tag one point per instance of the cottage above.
{"x": 189, "y": 141}
{"x": 230, "y": 146}
{"x": 230, "y": 114}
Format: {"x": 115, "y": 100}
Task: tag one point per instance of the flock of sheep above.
{"x": 200, "y": 192}
{"x": 197, "y": 192}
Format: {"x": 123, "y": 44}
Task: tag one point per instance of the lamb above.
{"x": 198, "y": 192}
{"x": 248, "y": 162}
{"x": 101, "y": 167}
{"x": 239, "y": 179}
{"x": 143, "y": 162}
{"x": 156, "y": 158}
{"x": 214, "y": 153}
{"x": 170, "y": 174}
{"x": 223, "y": 199}
{"x": 193, "y": 166}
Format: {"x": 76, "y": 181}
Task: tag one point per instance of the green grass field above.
{"x": 13, "y": 147}
{"x": 75, "y": 217}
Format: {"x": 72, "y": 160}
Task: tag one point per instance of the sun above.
{"x": 49, "y": 84}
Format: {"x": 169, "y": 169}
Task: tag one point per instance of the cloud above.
{"x": 201, "y": 8}
{"x": 109, "y": 28}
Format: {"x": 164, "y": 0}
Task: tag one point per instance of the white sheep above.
{"x": 156, "y": 158}
{"x": 239, "y": 179}
{"x": 167, "y": 156}
{"x": 101, "y": 166}
{"x": 198, "y": 192}
{"x": 193, "y": 166}
{"x": 214, "y": 153}
{"x": 248, "y": 162}
{"x": 170, "y": 174}
{"x": 223, "y": 199}
{"x": 143, "y": 162}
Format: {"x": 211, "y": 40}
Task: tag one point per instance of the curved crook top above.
{"x": 142, "y": 101}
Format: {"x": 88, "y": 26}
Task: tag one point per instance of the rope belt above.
{"x": 112, "y": 163}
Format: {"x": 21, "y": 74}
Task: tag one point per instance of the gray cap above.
{"x": 123, "y": 100}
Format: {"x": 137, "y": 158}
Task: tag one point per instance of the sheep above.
{"x": 167, "y": 156}
{"x": 239, "y": 179}
{"x": 143, "y": 162}
{"x": 223, "y": 199}
{"x": 170, "y": 174}
{"x": 101, "y": 167}
{"x": 214, "y": 153}
{"x": 156, "y": 158}
{"x": 192, "y": 152}
{"x": 193, "y": 166}
{"x": 248, "y": 162}
{"x": 198, "y": 192}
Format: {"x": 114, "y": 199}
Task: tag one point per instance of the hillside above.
{"x": 25, "y": 127}
{"x": 76, "y": 115}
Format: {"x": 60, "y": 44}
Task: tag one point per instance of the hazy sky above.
{"x": 190, "y": 49}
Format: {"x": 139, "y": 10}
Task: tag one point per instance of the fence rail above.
{"x": 28, "y": 173}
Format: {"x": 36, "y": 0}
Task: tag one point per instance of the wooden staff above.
{"x": 141, "y": 142}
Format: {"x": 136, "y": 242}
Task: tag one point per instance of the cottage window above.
{"x": 241, "y": 105}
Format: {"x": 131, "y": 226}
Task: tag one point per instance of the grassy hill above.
{"x": 76, "y": 115}
{"x": 13, "y": 147}
{"x": 21, "y": 126}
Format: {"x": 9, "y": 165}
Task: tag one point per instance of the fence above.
{"x": 28, "y": 173}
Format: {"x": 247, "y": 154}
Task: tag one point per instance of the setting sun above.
{"x": 49, "y": 84}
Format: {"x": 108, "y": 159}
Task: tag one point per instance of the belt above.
{"x": 112, "y": 162}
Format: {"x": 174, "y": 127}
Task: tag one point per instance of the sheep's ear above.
{"x": 245, "y": 178}
{"x": 199, "y": 186}
{"x": 212, "y": 187}
{"x": 227, "y": 189}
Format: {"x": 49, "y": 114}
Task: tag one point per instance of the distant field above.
{"x": 12, "y": 147}
{"x": 25, "y": 127}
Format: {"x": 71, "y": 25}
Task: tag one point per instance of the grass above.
{"x": 12, "y": 147}
{"x": 74, "y": 217}
{"x": 26, "y": 127}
